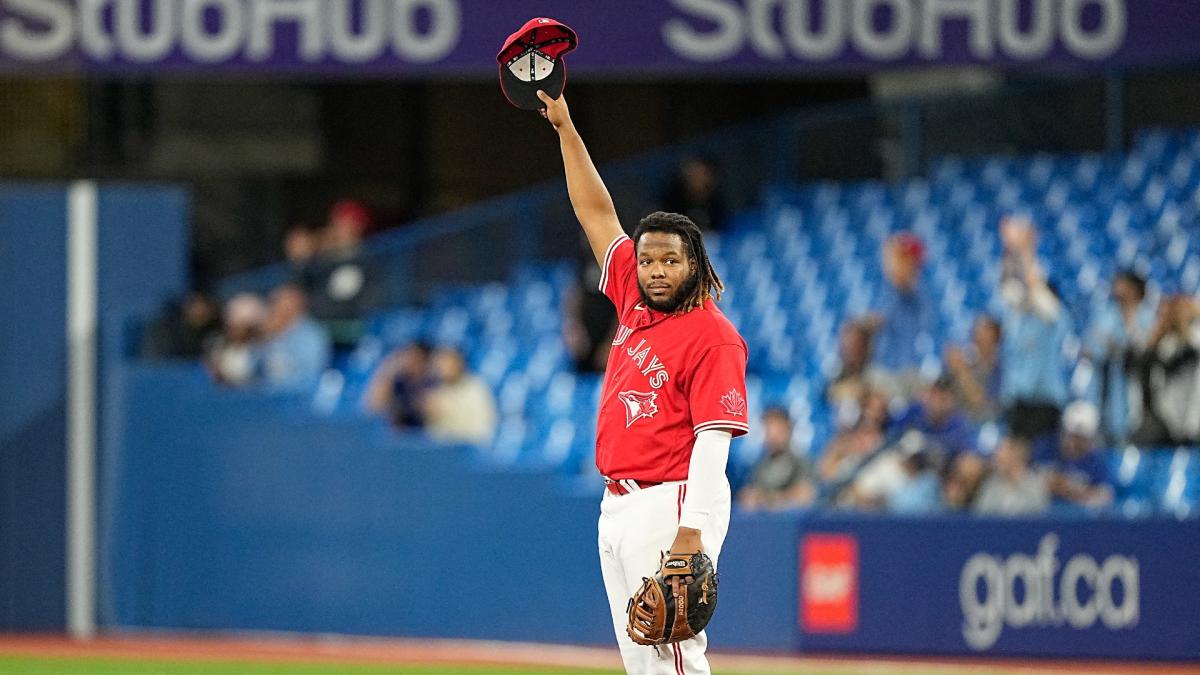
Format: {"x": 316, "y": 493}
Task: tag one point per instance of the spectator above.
{"x": 460, "y": 407}
{"x": 935, "y": 429}
{"x": 297, "y": 349}
{"x": 301, "y": 244}
{"x": 962, "y": 479}
{"x": 1013, "y": 488}
{"x": 589, "y": 321}
{"x": 919, "y": 491}
{"x": 1169, "y": 375}
{"x": 975, "y": 371}
{"x": 855, "y": 372}
{"x": 1074, "y": 472}
{"x": 904, "y": 314}
{"x": 233, "y": 357}
{"x": 860, "y": 435}
{"x": 184, "y": 331}
{"x": 1117, "y": 339}
{"x": 696, "y": 193}
{"x": 941, "y": 420}
{"x": 343, "y": 286}
{"x": 781, "y": 479}
{"x": 1034, "y": 382}
{"x": 397, "y": 389}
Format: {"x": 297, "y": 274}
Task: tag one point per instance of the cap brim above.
{"x": 523, "y": 94}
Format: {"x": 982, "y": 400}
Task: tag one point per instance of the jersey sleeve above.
{"x": 618, "y": 274}
{"x": 717, "y": 392}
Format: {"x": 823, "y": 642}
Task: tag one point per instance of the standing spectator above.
{"x": 855, "y": 373}
{"x": 696, "y": 193}
{"x": 1169, "y": 374}
{"x": 460, "y": 407}
{"x": 397, "y": 389}
{"x": 297, "y": 349}
{"x": 184, "y": 331}
{"x": 1076, "y": 474}
{"x": 233, "y": 357}
{"x": 1034, "y": 381}
{"x": 975, "y": 371}
{"x": 1013, "y": 488}
{"x": 904, "y": 314}
{"x": 589, "y": 320}
{"x": 344, "y": 286}
{"x": 1115, "y": 342}
{"x": 781, "y": 479}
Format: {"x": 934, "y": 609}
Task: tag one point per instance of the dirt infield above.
{"x": 352, "y": 650}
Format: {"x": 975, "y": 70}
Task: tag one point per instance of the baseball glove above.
{"x": 675, "y": 604}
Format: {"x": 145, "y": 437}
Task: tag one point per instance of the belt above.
{"x": 623, "y": 486}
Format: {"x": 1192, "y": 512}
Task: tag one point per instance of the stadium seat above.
{"x": 807, "y": 259}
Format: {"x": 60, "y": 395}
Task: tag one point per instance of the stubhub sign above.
{"x": 1103, "y": 588}
{"x": 422, "y": 37}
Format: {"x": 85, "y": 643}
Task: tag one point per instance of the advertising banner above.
{"x": 617, "y": 37}
{"x": 1071, "y": 588}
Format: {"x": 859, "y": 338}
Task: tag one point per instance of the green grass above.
{"x": 10, "y": 665}
{"x": 98, "y": 666}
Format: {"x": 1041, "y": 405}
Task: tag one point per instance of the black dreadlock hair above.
{"x": 708, "y": 284}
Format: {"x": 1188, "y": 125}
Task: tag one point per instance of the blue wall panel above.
{"x": 142, "y": 262}
{"x": 235, "y": 511}
{"x": 32, "y": 394}
{"x": 143, "y": 239}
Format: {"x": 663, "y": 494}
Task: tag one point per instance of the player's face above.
{"x": 665, "y": 273}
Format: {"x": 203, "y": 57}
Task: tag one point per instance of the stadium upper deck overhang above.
{"x": 458, "y": 38}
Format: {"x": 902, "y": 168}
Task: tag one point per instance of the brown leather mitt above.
{"x": 675, "y": 604}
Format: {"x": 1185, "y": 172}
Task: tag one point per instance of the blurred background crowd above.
{"x": 1010, "y": 422}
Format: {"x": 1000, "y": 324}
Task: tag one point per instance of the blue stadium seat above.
{"x": 807, "y": 258}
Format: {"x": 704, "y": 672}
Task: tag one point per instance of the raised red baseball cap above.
{"x": 531, "y": 59}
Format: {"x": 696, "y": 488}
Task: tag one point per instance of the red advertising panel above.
{"x": 829, "y": 583}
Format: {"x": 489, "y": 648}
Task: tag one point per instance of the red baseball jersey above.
{"x": 669, "y": 377}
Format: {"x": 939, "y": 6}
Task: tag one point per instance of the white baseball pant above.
{"x": 634, "y": 530}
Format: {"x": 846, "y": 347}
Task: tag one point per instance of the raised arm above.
{"x": 590, "y": 199}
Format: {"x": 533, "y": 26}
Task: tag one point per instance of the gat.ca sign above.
{"x": 1038, "y": 590}
{"x": 399, "y": 37}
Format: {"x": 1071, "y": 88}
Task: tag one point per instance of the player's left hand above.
{"x": 556, "y": 111}
{"x": 687, "y": 540}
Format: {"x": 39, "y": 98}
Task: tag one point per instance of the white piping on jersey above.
{"x": 718, "y": 424}
{"x": 608, "y": 260}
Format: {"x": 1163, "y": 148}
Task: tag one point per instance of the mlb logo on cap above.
{"x": 531, "y": 59}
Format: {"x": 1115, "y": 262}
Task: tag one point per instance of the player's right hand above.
{"x": 556, "y": 110}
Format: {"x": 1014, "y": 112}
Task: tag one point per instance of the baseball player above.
{"x": 674, "y": 396}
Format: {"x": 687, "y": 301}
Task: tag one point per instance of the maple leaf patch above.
{"x": 734, "y": 403}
